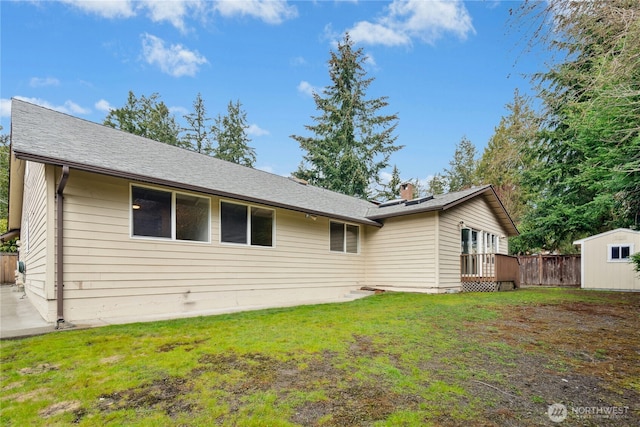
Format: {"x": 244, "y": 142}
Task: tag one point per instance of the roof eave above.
{"x": 23, "y": 155}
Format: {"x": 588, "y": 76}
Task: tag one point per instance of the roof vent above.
{"x": 299, "y": 180}
{"x": 391, "y": 203}
{"x": 418, "y": 201}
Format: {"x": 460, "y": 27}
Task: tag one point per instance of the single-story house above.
{"x": 606, "y": 263}
{"x": 114, "y": 226}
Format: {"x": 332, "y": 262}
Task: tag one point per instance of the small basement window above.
{"x": 344, "y": 237}
{"x": 620, "y": 252}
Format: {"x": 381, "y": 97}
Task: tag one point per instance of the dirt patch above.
{"x": 111, "y": 359}
{"x": 60, "y": 408}
{"x": 12, "y": 385}
{"x": 165, "y": 394}
{"x": 38, "y": 369}
{"x": 581, "y": 355}
{"x": 354, "y": 405}
{"x": 30, "y": 395}
{"x": 185, "y": 345}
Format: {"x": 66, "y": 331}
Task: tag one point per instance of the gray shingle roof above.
{"x": 48, "y": 136}
{"x": 438, "y": 202}
{"x": 51, "y": 137}
{"x": 444, "y": 202}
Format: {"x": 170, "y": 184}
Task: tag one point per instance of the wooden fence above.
{"x": 8, "y": 268}
{"x": 550, "y": 270}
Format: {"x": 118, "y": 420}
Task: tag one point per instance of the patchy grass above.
{"x": 387, "y": 360}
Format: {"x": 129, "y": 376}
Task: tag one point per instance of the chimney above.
{"x": 406, "y": 191}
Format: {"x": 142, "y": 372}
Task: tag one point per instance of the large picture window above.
{"x": 169, "y": 215}
{"x": 247, "y": 225}
{"x": 343, "y": 237}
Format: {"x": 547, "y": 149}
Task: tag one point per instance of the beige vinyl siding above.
{"x": 402, "y": 253}
{"x": 37, "y": 236}
{"x": 599, "y": 273}
{"x": 477, "y": 214}
{"x": 108, "y": 273}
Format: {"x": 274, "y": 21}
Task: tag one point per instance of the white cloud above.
{"x": 370, "y": 61}
{"x": 176, "y": 12}
{"x": 175, "y": 60}
{"x": 385, "y": 177}
{"x": 103, "y": 106}
{"x": 5, "y": 107}
{"x": 180, "y": 111}
{"x": 306, "y": 88}
{"x": 368, "y": 33}
{"x": 298, "y": 61}
{"x": 106, "y": 9}
{"x": 69, "y": 107}
{"x": 256, "y": 130}
{"x": 173, "y": 12}
{"x": 269, "y": 11}
{"x": 43, "y": 81}
{"x": 406, "y": 20}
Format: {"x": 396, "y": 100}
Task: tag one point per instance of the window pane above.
{"x": 151, "y": 212}
{"x": 474, "y": 242}
{"x": 192, "y": 218}
{"x": 624, "y": 252}
{"x": 352, "y": 239}
{"x": 337, "y": 236}
{"x": 233, "y": 220}
{"x": 465, "y": 240}
{"x": 615, "y": 252}
{"x": 261, "y": 227}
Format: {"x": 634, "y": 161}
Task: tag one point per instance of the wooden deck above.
{"x": 489, "y": 268}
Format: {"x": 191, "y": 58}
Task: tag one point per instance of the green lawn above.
{"x": 386, "y": 360}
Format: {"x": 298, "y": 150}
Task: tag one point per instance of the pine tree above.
{"x": 506, "y": 158}
{"x": 230, "y": 133}
{"x": 437, "y": 185}
{"x": 587, "y": 176}
{"x": 463, "y": 166}
{"x": 390, "y": 190}
{"x": 352, "y": 141}
{"x": 197, "y": 134}
{"x": 147, "y": 117}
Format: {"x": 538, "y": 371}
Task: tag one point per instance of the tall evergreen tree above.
{"x": 437, "y": 184}
{"x": 463, "y": 166}
{"x": 391, "y": 190}
{"x": 147, "y": 117}
{"x": 230, "y": 133}
{"x": 352, "y": 141}
{"x": 587, "y": 176}
{"x": 507, "y": 155}
{"x": 197, "y": 133}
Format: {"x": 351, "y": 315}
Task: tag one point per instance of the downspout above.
{"x": 59, "y": 246}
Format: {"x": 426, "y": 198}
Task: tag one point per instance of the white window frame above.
{"x": 610, "y": 247}
{"x": 173, "y": 216}
{"x": 248, "y": 231}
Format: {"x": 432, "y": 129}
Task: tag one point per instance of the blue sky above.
{"x": 447, "y": 67}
